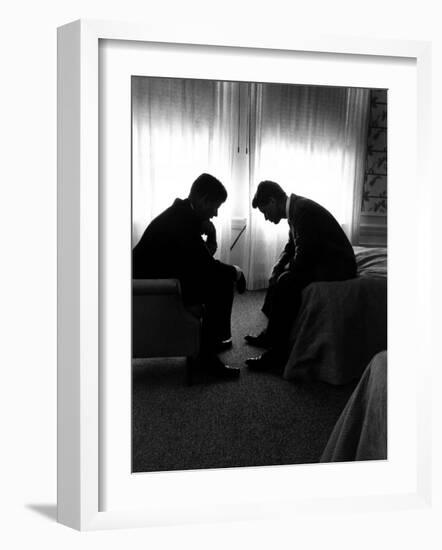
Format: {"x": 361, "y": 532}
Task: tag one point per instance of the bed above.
{"x": 361, "y": 430}
{"x": 341, "y": 325}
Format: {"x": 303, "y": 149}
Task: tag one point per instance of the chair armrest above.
{"x": 161, "y": 325}
{"x": 156, "y": 286}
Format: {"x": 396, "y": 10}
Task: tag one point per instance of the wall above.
{"x": 28, "y": 276}
{"x": 374, "y": 200}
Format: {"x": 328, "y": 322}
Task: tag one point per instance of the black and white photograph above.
{"x": 259, "y": 273}
{"x": 218, "y": 221}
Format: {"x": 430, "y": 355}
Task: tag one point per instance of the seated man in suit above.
{"x": 317, "y": 250}
{"x": 172, "y": 246}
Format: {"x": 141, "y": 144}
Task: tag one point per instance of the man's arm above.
{"x": 208, "y": 229}
{"x": 284, "y": 259}
{"x": 306, "y": 244}
{"x": 196, "y": 258}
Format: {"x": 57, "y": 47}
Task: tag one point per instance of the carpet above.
{"x": 257, "y": 420}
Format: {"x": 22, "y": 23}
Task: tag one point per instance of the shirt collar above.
{"x": 287, "y": 206}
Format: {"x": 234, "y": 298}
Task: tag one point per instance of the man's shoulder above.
{"x": 304, "y": 204}
{"x": 308, "y": 211}
{"x": 301, "y": 205}
{"x": 177, "y": 209}
{"x": 177, "y": 220}
{"x": 181, "y": 207}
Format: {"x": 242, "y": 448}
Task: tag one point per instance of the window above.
{"x": 310, "y": 139}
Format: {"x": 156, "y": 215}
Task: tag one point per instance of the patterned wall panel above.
{"x": 374, "y": 198}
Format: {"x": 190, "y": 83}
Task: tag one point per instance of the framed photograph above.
{"x": 147, "y": 434}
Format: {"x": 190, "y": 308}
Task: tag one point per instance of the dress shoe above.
{"x": 223, "y": 345}
{"x": 269, "y": 360}
{"x": 218, "y": 368}
{"x": 259, "y": 341}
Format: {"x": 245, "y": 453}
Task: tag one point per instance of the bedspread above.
{"x": 341, "y": 325}
{"x": 361, "y": 430}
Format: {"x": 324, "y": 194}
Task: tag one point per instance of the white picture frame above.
{"x": 79, "y": 292}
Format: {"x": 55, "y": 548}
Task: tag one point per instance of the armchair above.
{"x": 161, "y": 325}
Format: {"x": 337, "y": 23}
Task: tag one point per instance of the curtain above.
{"x": 311, "y": 140}
{"x": 354, "y": 158}
{"x": 180, "y": 129}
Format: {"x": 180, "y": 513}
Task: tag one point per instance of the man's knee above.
{"x": 286, "y": 282}
{"x": 285, "y": 278}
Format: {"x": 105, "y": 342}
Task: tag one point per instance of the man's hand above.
{"x": 208, "y": 229}
{"x": 274, "y": 276}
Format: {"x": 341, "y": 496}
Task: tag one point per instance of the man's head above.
{"x": 270, "y": 198}
{"x": 206, "y": 195}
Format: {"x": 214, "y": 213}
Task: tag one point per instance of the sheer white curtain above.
{"x": 180, "y": 129}
{"x": 356, "y": 126}
{"x": 311, "y": 140}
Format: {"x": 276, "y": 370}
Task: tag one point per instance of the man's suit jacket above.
{"x": 317, "y": 246}
{"x": 172, "y": 247}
